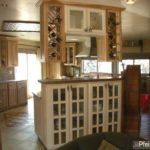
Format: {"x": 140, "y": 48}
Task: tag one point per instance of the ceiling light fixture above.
{"x": 20, "y": 26}
{"x": 130, "y": 1}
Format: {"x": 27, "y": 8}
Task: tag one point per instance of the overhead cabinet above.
{"x": 60, "y": 19}
{"x": 81, "y": 20}
{"x": 8, "y": 52}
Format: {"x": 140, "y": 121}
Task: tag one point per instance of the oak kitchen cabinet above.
{"x": 77, "y": 109}
{"x": 81, "y": 20}
{"x": 8, "y": 52}
{"x": 12, "y": 94}
{"x": 3, "y": 96}
{"x": 22, "y": 92}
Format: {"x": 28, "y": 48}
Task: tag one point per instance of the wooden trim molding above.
{"x": 81, "y": 4}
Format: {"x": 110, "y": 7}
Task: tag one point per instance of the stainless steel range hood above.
{"x": 87, "y": 47}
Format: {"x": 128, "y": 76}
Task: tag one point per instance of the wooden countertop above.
{"x": 76, "y": 80}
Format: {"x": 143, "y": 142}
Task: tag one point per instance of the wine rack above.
{"x": 113, "y": 35}
{"x": 54, "y": 32}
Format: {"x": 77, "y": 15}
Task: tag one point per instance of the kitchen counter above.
{"x": 74, "y": 80}
{"x": 8, "y": 81}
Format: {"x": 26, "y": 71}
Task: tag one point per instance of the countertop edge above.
{"x": 57, "y": 81}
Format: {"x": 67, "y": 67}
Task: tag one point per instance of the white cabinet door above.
{"x": 75, "y": 19}
{"x": 57, "y": 110}
{"x": 104, "y": 106}
{"x": 113, "y": 108}
{"x": 79, "y": 20}
{"x": 96, "y": 107}
{"x": 78, "y": 110}
{"x": 96, "y": 21}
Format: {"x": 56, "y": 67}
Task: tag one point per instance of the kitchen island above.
{"x": 70, "y": 108}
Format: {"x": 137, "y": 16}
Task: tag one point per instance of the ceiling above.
{"x": 135, "y": 19}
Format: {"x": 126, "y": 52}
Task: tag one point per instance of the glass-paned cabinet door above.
{"x": 96, "y": 20}
{"x": 78, "y": 114}
{"x": 76, "y": 19}
{"x": 58, "y": 104}
{"x": 97, "y": 102}
{"x": 70, "y": 53}
{"x": 114, "y": 106}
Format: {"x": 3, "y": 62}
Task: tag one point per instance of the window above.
{"x": 95, "y": 66}
{"x": 124, "y": 63}
{"x": 105, "y": 67}
{"x": 89, "y": 66}
{"x": 144, "y": 63}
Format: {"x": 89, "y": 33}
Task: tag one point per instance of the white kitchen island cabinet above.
{"x": 68, "y": 109}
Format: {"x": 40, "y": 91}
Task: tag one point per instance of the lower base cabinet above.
{"x": 13, "y": 94}
{"x": 73, "y": 110}
{"x": 22, "y": 92}
{"x": 3, "y": 96}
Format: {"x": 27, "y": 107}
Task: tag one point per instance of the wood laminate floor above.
{"x": 18, "y": 133}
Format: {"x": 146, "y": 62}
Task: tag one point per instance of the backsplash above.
{"x": 7, "y": 73}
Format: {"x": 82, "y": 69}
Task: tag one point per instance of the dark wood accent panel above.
{"x": 131, "y": 105}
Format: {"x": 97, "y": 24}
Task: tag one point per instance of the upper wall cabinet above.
{"x": 8, "y": 52}
{"x": 79, "y": 20}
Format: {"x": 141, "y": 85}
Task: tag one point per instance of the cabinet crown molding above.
{"x": 81, "y": 4}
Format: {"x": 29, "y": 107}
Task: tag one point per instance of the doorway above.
{"x": 29, "y": 69}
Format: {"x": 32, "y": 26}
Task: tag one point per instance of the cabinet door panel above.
{"x": 96, "y": 21}
{"x": 76, "y": 19}
{"x": 3, "y": 96}
{"x": 12, "y": 94}
{"x": 96, "y": 106}
{"x": 9, "y": 52}
{"x": 114, "y": 106}
{"x": 58, "y": 109}
{"x": 4, "y": 52}
{"x": 22, "y": 92}
{"x": 78, "y": 113}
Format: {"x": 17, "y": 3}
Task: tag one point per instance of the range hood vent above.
{"x": 93, "y": 49}
{"x": 88, "y": 48}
